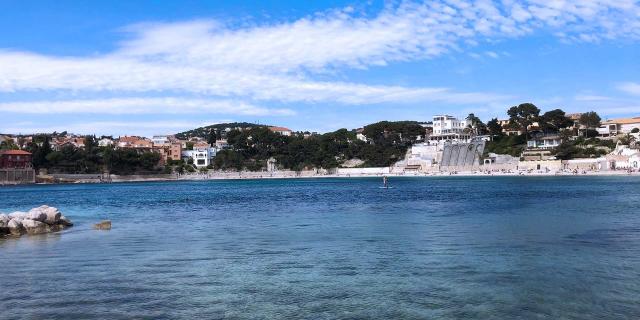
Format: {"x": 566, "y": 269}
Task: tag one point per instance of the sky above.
{"x": 150, "y": 67}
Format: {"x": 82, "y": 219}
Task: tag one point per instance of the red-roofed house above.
{"x": 15, "y": 159}
{"x": 281, "y": 130}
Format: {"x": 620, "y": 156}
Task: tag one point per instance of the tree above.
{"x": 476, "y": 125}
{"x": 494, "y": 127}
{"x": 590, "y": 120}
{"x": 523, "y": 115}
{"x": 554, "y": 121}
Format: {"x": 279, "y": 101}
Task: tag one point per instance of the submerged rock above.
{"x": 103, "y": 225}
{"x": 43, "y": 219}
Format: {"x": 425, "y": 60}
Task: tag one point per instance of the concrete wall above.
{"x": 17, "y": 176}
{"x": 551, "y": 165}
{"x": 461, "y": 156}
{"x": 355, "y": 171}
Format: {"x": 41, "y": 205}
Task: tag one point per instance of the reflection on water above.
{"x": 443, "y": 248}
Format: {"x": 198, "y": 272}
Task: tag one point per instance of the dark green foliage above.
{"x": 250, "y": 149}
{"x": 523, "y": 115}
{"x": 511, "y": 145}
{"x": 590, "y": 120}
{"x": 494, "y": 127}
{"x": 635, "y": 130}
{"x": 553, "y": 121}
{"x": 217, "y": 129}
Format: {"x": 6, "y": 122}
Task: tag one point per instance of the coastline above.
{"x": 310, "y": 175}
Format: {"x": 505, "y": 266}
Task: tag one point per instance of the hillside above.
{"x": 203, "y": 132}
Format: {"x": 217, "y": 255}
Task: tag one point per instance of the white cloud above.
{"x": 280, "y": 62}
{"x": 166, "y": 105}
{"x": 630, "y": 88}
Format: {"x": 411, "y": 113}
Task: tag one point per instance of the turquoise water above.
{"x": 430, "y": 248}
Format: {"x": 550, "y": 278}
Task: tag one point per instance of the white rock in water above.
{"x": 65, "y": 221}
{"x": 4, "y": 220}
{"x": 35, "y": 227}
{"x": 52, "y": 215}
{"x": 18, "y": 214}
{"x": 36, "y": 214}
{"x": 15, "y": 227}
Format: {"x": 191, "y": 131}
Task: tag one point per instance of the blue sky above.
{"x": 147, "y": 67}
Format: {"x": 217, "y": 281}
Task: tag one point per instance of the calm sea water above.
{"x": 430, "y": 248}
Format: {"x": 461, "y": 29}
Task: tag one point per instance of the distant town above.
{"x": 529, "y": 141}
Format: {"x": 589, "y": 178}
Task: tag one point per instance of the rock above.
{"x": 53, "y": 215}
{"x": 18, "y": 214}
{"x": 65, "y": 221}
{"x": 36, "y": 214}
{"x": 103, "y": 225}
{"x": 35, "y": 227}
{"x": 4, "y": 220}
{"x": 15, "y": 227}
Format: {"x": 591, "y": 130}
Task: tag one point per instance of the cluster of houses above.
{"x": 445, "y": 131}
{"x": 169, "y": 147}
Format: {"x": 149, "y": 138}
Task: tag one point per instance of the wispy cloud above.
{"x": 630, "y": 88}
{"x": 278, "y": 62}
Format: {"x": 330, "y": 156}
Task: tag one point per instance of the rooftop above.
{"x": 15, "y": 152}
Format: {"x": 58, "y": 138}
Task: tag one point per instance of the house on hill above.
{"x": 281, "y": 130}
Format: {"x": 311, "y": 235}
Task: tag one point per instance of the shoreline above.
{"x": 290, "y": 175}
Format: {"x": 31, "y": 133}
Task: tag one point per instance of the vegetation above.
{"x": 250, "y": 149}
{"x": 217, "y": 130}
{"x": 522, "y": 116}
{"x": 91, "y": 158}
{"x": 512, "y": 145}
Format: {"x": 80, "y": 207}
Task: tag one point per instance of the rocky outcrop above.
{"x": 103, "y": 225}
{"x": 43, "y": 219}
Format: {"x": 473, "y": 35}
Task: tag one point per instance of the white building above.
{"x": 105, "y": 142}
{"x": 544, "y": 142}
{"x": 202, "y": 157}
{"x": 619, "y": 126}
{"x": 160, "y": 140}
{"x": 447, "y": 127}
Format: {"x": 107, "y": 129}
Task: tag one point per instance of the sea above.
{"x": 330, "y": 248}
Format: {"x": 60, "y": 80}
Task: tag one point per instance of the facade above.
{"x": 172, "y": 152}
{"x": 544, "y": 142}
{"x": 18, "y": 159}
{"x": 201, "y": 156}
{"x": 619, "y": 126}
{"x": 281, "y": 130}
{"x": 160, "y": 140}
{"x": 447, "y": 127}
{"x": 105, "y": 142}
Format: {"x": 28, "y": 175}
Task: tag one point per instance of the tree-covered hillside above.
{"x": 205, "y": 132}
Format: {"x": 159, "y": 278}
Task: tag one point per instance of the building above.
{"x": 544, "y": 142}
{"x": 281, "y": 130}
{"x": 160, "y": 140}
{"x": 18, "y": 159}
{"x": 447, "y": 127}
{"x": 105, "y": 142}
{"x": 201, "y": 156}
{"x": 360, "y": 135}
{"x": 619, "y": 126}
{"x": 168, "y": 152}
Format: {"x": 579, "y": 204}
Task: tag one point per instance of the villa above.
{"x": 544, "y": 142}
{"x": 201, "y": 156}
{"x": 446, "y": 127}
{"x": 281, "y": 130}
{"x": 619, "y": 126}
{"x": 15, "y": 159}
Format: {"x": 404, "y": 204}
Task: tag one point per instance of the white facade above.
{"x": 619, "y": 126}
{"x": 105, "y": 142}
{"x": 361, "y": 137}
{"x": 160, "y": 140}
{"x": 548, "y": 142}
{"x": 446, "y": 125}
{"x": 201, "y": 156}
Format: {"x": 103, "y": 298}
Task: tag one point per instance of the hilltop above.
{"x": 204, "y": 132}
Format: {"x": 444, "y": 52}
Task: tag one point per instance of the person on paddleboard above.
{"x": 385, "y": 181}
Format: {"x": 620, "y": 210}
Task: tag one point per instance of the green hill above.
{"x": 203, "y": 132}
